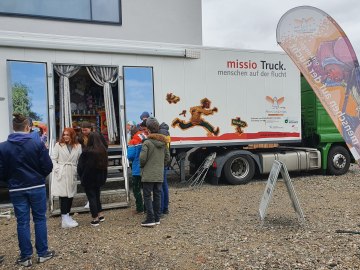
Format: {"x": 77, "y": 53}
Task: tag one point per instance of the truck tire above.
{"x": 338, "y": 160}
{"x": 239, "y": 169}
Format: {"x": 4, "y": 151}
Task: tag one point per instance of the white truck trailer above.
{"x": 216, "y": 100}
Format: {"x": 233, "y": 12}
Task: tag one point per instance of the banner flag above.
{"x": 326, "y": 58}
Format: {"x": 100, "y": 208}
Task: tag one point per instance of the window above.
{"x": 105, "y": 11}
{"x": 139, "y": 92}
{"x": 29, "y": 93}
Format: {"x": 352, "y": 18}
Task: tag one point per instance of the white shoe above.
{"x": 87, "y": 205}
{"x": 66, "y": 222}
{"x": 72, "y": 221}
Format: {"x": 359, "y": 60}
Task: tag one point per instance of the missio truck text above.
{"x": 253, "y": 65}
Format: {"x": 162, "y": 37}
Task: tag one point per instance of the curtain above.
{"x": 105, "y": 76}
{"x": 65, "y": 72}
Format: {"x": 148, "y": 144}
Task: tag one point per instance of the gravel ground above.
{"x": 216, "y": 227}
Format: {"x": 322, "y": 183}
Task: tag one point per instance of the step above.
{"x": 81, "y": 209}
{"x": 115, "y": 167}
{"x": 114, "y": 157}
{"x": 6, "y": 205}
{"x": 103, "y": 193}
{"x": 109, "y": 180}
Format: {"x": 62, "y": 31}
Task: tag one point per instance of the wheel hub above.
{"x": 339, "y": 161}
{"x": 239, "y": 168}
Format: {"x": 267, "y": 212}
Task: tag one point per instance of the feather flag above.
{"x": 323, "y": 53}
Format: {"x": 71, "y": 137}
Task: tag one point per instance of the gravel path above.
{"x": 216, "y": 227}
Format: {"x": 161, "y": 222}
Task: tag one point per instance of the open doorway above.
{"x": 87, "y": 102}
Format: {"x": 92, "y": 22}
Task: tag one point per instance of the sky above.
{"x": 245, "y": 24}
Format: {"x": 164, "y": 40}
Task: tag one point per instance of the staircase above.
{"x": 115, "y": 192}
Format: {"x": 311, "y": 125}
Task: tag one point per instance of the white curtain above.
{"x": 65, "y": 72}
{"x": 105, "y": 76}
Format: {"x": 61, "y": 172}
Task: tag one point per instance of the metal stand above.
{"x": 199, "y": 176}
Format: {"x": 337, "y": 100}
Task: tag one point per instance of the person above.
{"x": 153, "y": 156}
{"x": 144, "y": 116}
{"x": 65, "y": 157}
{"x": 129, "y": 126}
{"x": 196, "y": 118}
{"x": 164, "y": 209}
{"x": 92, "y": 170}
{"x": 24, "y": 165}
{"x": 133, "y": 154}
{"x": 1, "y": 259}
{"x": 86, "y": 130}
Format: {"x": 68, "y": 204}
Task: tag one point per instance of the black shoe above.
{"x": 148, "y": 223}
{"x": 95, "y": 223}
{"x": 157, "y": 222}
{"x": 49, "y": 255}
{"x": 26, "y": 262}
{"x": 166, "y": 211}
{"x": 102, "y": 219}
{"x": 2, "y": 258}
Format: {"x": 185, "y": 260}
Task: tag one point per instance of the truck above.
{"x": 249, "y": 107}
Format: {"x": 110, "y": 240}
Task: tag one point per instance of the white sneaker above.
{"x": 72, "y": 221}
{"x": 66, "y": 222}
{"x": 87, "y": 205}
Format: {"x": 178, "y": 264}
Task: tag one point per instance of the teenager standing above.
{"x": 65, "y": 157}
{"x": 24, "y": 164}
{"x": 92, "y": 169}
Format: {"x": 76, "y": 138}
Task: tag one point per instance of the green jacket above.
{"x": 153, "y": 156}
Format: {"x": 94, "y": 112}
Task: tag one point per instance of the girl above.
{"x": 92, "y": 169}
{"x": 65, "y": 157}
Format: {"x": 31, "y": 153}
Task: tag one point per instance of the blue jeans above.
{"x": 164, "y": 194}
{"x": 22, "y": 202}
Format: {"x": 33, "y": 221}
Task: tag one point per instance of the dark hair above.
{"x": 20, "y": 122}
{"x": 73, "y": 138}
{"x": 86, "y": 124}
{"x": 96, "y": 146}
{"x": 133, "y": 130}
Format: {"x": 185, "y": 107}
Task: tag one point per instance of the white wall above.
{"x": 166, "y": 21}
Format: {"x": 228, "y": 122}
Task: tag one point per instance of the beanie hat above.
{"x": 144, "y": 115}
{"x": 152, "y": 124}
{"x": 164, "y": 129}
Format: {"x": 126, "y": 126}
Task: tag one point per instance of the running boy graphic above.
{"x": 196, "y": 118}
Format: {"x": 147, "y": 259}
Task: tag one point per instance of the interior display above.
{"x": 87, "y": 103}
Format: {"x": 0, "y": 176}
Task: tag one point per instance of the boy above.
{"x": 24, "y": 164}
{"x": 133, "y": 154}
{"x": 153, "y": 156}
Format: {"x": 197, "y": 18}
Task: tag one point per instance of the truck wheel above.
{"x": 239, "y": 169}
{"x": 338, "y": 160}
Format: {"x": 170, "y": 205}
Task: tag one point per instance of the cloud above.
{"x": 252, "y": 24}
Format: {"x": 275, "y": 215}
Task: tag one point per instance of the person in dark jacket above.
{"x": 24, "y": 164}
{"x": 153, "y": 156}
{"x": 86, "y": 130}
{"x": 164, "y": 130}
{"x": 92, "y": 170}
